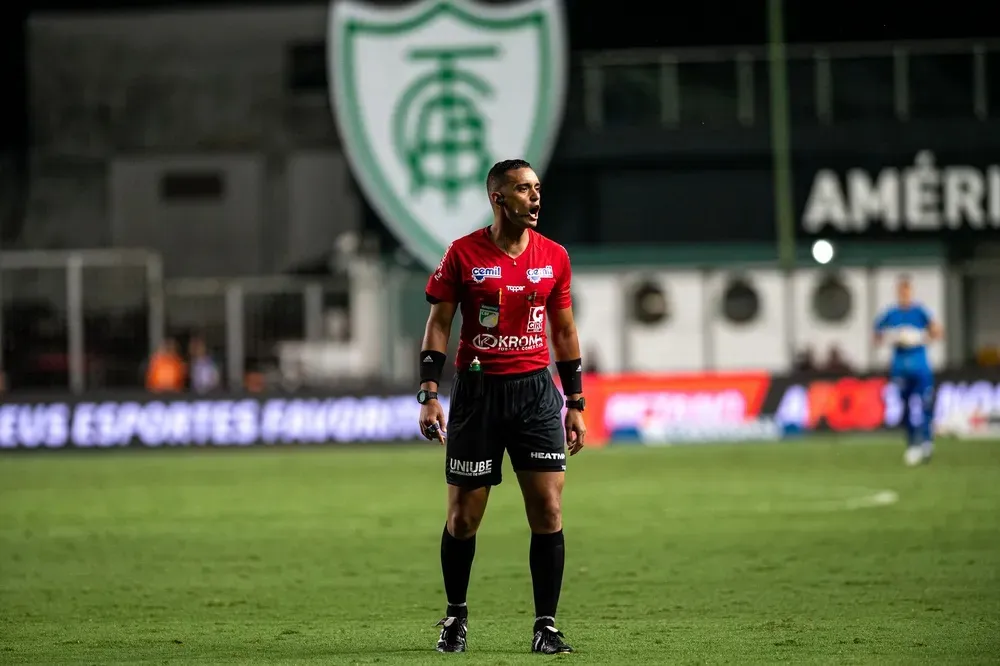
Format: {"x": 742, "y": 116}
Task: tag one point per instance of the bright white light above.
{"x": 823, "y": 251}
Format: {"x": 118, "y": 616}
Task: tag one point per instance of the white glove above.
{"x": 907, "y": 336}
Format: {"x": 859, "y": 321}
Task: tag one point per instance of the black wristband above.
{"x": 571, "y": 376}
{"x": 431, "y": 366}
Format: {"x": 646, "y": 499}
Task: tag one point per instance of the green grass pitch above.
{"x": 822, "y": 551}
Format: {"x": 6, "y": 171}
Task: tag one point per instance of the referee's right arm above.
{"x": 442, "y": 292}
{"x": 443, "y": 295}
{"x": 436, "y": 334}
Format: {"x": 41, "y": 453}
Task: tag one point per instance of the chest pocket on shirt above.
{"x": 483, "y": 303}
{"x": 489, "y": 292}
{"x": 520, "y": 306}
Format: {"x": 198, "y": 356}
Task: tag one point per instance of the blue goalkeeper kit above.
{"x": 907, "y": 330}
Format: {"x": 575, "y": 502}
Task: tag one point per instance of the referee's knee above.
{"x": 463, "y": 521}
{"x": 463, "y": 526}
{"x": 545, "y": 515}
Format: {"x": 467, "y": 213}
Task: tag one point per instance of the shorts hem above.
{"x": 533, "y": 468}
{"x": 473, "y": 483}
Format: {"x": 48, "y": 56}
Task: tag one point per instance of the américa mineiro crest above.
{"x": 429, "y": 95}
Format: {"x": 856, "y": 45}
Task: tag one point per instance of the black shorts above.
{"x": 521, "y": 414}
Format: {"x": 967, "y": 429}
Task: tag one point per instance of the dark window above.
{"x": 740, "y": 301}
{"x": 832, "y": 301}
{"x": 189, "y": 185}
{"x": 306, "y": 67}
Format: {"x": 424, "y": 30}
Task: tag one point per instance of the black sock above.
{"x": 456, "y": 564}
{"x": 547, "y": 558}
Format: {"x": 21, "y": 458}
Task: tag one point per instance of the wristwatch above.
{"x": 578, "y": 404}
{"x": 423, "y": 395}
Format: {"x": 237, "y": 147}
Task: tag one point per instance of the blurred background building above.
{"x": 173, "y": 180}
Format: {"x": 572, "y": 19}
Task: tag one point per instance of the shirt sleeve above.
{"x": 925, "y": 318}
{"x": 561, "y": 297}
{"x": 444, "y": 283}
{"x": 881, "y": 322}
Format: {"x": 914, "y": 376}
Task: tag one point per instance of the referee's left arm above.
{"x": 565, "y": 344}
{"x": 566, "y": 348}
{"x": 564, "y": 337}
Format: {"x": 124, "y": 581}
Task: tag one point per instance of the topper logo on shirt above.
{"x": 479, "y": 274}
{"x": 535, "y": 275}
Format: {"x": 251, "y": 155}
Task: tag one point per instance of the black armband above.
{"x": 571, "y": 376}
{"x": 431, "y": 366}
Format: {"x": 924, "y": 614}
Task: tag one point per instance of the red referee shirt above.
{"x": 503, "y": 301}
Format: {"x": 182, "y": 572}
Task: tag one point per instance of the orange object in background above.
{"x": 167, "y": 371}
{"x": 255, "y": 382}
{"x": 988, "y": 357}
{"x": 848, "y": 403}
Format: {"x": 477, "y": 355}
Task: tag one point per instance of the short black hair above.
{"x": 498, "y": 173}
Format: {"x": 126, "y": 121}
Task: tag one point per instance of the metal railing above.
{"x": 709, "y": 87}
{"x": 670, "y": 88}
{"x": 247, "y": 316}
{"x": 90, "y": 319}
{"x": 53, "y": 286}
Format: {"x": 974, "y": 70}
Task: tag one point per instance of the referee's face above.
{"x": 523, "y": 197}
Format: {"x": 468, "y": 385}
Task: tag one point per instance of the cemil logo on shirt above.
{"x": 535, "y": 275}
{"x": 479, "y": 273}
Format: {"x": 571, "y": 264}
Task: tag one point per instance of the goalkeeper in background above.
{"x": 909, "y": 327}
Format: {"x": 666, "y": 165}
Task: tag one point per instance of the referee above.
{"x": 511, "y": 284}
